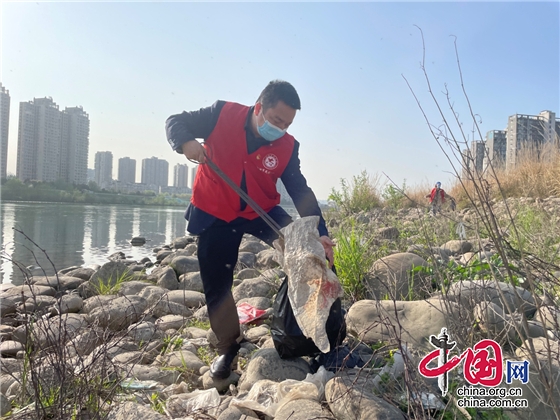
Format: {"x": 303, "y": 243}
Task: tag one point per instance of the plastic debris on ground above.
{"x": 206, "y": 401}
{"x": 268, "y": 397}
{"x": 312, "y": 286}
{"x": 136, "y": 385}
{"x": 248, "y": 313}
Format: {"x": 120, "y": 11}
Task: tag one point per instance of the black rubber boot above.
{"x": 221, "y": 367}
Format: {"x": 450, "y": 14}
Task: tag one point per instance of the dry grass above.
{"x": 534, "y": 176}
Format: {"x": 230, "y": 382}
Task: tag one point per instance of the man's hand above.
{"x": 193, "y": 150}
{"x": 328, "y": 244}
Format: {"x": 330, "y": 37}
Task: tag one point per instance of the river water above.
{"x": 80, "y": 234}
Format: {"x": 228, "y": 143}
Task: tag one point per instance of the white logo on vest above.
{"x": 270, "y": 161}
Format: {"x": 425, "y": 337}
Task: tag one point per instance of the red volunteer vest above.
{"x": 227, "y": 147}
{"x": 433, "y": 195}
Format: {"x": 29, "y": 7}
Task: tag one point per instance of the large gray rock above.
{"x": 168, "y": 322}
{"x": 248, "y": 273}
{"x": 85, "y": 342}
{"x": 188, "y": 298}
{"x": 163, "y": 254}
{"x": 37, "y": 303}
{"x": 184, "y": 264}
{"x": 133, "y": 287}
{"x": 510, "y": 298}
{"x": 57, "y": 330}
{"x": 107, "y": 276}
{"x": 392, "y": 278}
{"x": 153, "y": 294}
{"x": 457, "y": 247}
{"x": 390, "y": 233}
{"x": 246, "y": 260}
{"x": 237, "y": 413}
{"x": 8, "y": 304}
{"x": 430, "y": 252}
{"x": 5, "y": 406}
{"x": 181, "y": 358}
{"x": 11, "y": 366}
{"x": 302, "y": 409}
{"x": 258, "y": 287}
{"x": 413, "y": 322}
{"x": 350, "y": 397}
{"x": 10, "y": 348}
{"x": 119, "y": 313}
{"x": 266, "y": 259}
{"x": 182, "y": 242}
{"x": 152, "y": 373}
{"x": 28, "y": 291}
{"x": 96, "y": 302}
{"x": 132, "y": 410}
{"x": 81, "y": 272}
{"x": 166, "y": 307}
{"x": 61, "y": 283}
{"x": 168, "y": 279}
{"x": 144, "y": 332}
{"x": 191, "y": 281}
{"x": 252, "y": 246}
{"x": 70, "y": 303}
{"x": 267, "y": 364}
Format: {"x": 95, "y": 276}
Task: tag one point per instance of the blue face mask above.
{"x": 269, "y": 131}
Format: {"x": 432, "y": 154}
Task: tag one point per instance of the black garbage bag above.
{"x": 288, "y": 339}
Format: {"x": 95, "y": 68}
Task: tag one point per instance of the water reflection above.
{"x": 82, "y": 235}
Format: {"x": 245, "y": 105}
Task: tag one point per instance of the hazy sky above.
{"x": 131, "y": 65}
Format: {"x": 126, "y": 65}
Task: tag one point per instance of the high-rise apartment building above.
{"x": 74, "y": 146}
{"x": 103, "y": 169}
{"x": 181, "y": 176}
{"x": 193, "y": 175}
{"x": 155, "y": 172}
{"x": 52, "y": 144}
{"x": 495, "y": 149}
{"x": 39, "y": 138}
{"x": 127, "y": 170}
{"x": 4, "y": 128}
{"x": 531, "y": 133}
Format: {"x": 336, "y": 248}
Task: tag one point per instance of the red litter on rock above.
{"x": 248, "y": 313}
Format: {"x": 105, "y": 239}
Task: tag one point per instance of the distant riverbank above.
{"x": 59, "y": 192}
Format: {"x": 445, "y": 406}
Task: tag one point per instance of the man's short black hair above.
{"x": 279, "y": 90}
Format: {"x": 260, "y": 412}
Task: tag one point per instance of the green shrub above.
{"x": 354, "y": 258}
{"x": 361, "y": 194}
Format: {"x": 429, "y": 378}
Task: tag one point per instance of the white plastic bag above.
{"x": 262, "y": 397}
{"x": 311, "y": 388}
{"x": 206, "y": 400}
{"x": 312, "y": 286}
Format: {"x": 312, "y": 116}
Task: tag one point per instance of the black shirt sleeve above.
{"x": 187, "y": 126}
{"x": 303, "y": 197}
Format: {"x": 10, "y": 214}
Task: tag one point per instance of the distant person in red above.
{"x": 437, "y": 197}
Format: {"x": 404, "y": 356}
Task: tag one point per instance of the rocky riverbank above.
{"x": 114, "y": 340}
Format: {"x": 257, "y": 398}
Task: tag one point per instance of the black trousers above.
{"x": 218, "y": 247}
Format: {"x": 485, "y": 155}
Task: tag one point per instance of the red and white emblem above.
{"x": 270, "y": 161}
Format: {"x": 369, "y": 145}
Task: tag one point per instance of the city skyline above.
{"x": 65, "y": 135}
{"x": 353, "y": 64}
